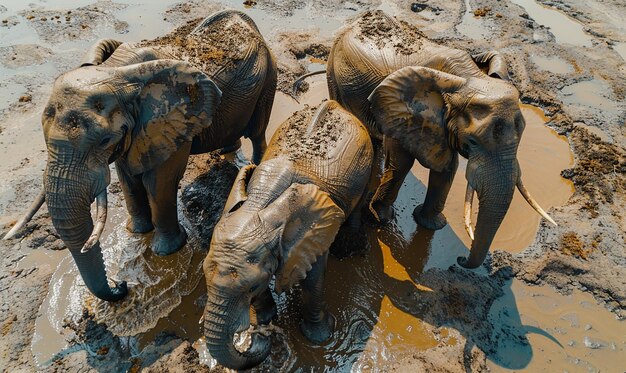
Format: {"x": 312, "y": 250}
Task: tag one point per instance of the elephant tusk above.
{"x": 531, "y": 201}
{"x": 101, "y": 219}
{"x": 469, "y": 197}
{"x": 34, "y": 207}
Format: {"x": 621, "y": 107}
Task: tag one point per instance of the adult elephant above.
{"x": 145, "y": 109}
{"x": 280, "y": 219}
{"x": 432, "y": 103}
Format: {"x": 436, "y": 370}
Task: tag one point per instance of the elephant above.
{"x": 430, "y": 103}
{"x": 147, "y": 109}
{"x": 280, "y": 219}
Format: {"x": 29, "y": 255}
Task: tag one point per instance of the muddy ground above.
{"x": 470, "y": 320}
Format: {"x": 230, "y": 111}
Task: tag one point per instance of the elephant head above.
{"x": 253, "y": 241}
{"x": 436, "y": 115}
{"x": 139, "y": 114}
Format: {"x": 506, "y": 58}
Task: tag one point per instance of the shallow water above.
{"x": 592, "y": 94}
{"x": 568, "y": 333}
{"x": 564, "y": 29}
{"x": 553, "y": 64}
{"x": 471, "y": 25}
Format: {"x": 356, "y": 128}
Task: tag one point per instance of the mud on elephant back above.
{"x": 280, "y": 220}
{"x": 147, "y": 112}
{"x": 430, "y": 103}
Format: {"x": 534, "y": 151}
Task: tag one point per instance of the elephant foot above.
{"x": 166, "y": 244}
{"x": 320, "y": 331}
{"x": 119, "y": 292}
{"x": 433, "y": 222}
{"x": 112, "y": 294}
{"x": 231, "y": 148}
{"x": 139, "y": 225}
{"x": 464, "y": 262}
{"x": 381, "y": 212}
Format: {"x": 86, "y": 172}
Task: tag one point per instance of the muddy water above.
{"x": 554, "y": 64}
{"x": 471, "y": 25}
{"x": 591, "y": 94}
{"x": 567, "y": 333}
{"x": 564, "y": 29}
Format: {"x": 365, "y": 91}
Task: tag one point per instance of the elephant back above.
{"x": 218, "y": 45}
{"x": 375, "y": 46}
{"x": 328, "y": 146}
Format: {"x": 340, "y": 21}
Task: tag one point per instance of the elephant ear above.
{"x": 310, "y": 221}
{"x": 239, "y": 193}
{"x": 410, "y": 106}
{"x": 494, "y": 63}
{"x": 99, "y": 52}
{"x": 175, "y": 102}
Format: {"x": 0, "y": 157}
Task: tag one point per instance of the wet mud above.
{"x": 547, "y": 299}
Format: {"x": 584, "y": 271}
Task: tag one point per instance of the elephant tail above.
{"x": 298, "y": 82}
{"x": 32, "y": 210}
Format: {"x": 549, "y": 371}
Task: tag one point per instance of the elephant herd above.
{"x": 148, "y": 107}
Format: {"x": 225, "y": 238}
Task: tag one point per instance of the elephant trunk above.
{"x": 495, "y": 188}
{"x": 223, "y": 317}
{"x": 69, "y": 199}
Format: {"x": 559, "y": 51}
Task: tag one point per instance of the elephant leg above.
{"x": 136, "y": 197}
{"x": 398, "y": 163}
{"x": 162, "y": 187}
{"x": 258, "y": 148}
{"x": 260, "y": 119}
{"x": 352, "y": 238}
{"x": 230, "y": 148}
{"x": 318, "y": 324}
{"x": 265, "y": 307}
{"x": 429, "y": 214}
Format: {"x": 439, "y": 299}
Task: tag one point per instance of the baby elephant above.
{"x": 280, "y": 219}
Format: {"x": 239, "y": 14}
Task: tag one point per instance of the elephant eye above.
{"x": 252, "y": 259}
{"x": 254, "y": 288}
{"x": 472, "y": 141}
{"x": 105, "y": 141}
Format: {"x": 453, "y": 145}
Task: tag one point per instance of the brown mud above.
{"x": 547, "y": 299}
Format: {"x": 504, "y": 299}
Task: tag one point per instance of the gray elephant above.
{"x": 432, "y": 103}
{"x": 145, "y": 109}
{"x": 280, "y": 219}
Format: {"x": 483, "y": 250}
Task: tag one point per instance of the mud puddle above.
{"x": 553, "y": 64}
{"x": 564, "y": 29}
{"x": 471, "y": 25}
{"x": 591, "y": 94}
{"x": 567, "y": 333}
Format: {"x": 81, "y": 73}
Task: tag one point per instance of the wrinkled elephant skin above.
{"x": 430, "y": 103}
{"x": 280, "y": 219}
{"x": 143, "y": 108}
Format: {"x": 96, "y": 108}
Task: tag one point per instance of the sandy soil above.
{"x": 568, "y": 285}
